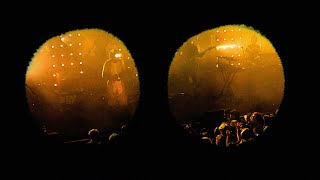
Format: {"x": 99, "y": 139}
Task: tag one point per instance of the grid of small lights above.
{"x": 229, "y": 46}
{"x": 65, "y": 56}
{"x": 224, "y": 31}
{"x": 237, "y": 64}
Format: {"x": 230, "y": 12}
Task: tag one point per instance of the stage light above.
{"x": 225, "y": 46}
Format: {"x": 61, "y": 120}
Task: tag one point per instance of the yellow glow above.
{"x": 118, "y": 55}
{"x": 250, "y": 67}
{"x": 58, "y": 68}
{"x": 225, "y": 46}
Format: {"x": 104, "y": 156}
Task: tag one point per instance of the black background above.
{"x": 157, "y": 147}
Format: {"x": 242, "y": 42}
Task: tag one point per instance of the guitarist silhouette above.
{"x": 253, "y": 52}
{"x": 191, "y": 66}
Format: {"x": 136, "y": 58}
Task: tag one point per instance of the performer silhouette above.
{"x": 117, "y": 99}
{"x": 253, "y": 64}
{"x": 191, "y": 66}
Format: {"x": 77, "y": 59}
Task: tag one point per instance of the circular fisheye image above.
{"x": 82, "y": 84}
{"x": 226, "y": 85}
